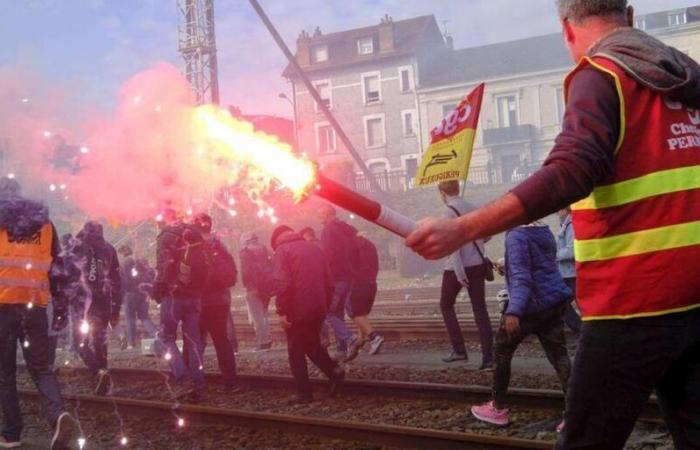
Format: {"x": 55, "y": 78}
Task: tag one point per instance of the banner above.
{"x": 450, "y": 152}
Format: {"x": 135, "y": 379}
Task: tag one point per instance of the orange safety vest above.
{"x": 24, "y": 268}
{"x": 637, "y": 240}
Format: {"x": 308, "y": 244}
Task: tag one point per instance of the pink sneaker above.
{"x": 488, "y": 413}
{"x": 561, "y": 426}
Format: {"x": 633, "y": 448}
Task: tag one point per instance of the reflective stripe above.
{"x": 628, "y": 191}
{"x": 618, "y": 87}
{"x": 639, "y": 315}
{"x": 19, "y": 283}
{"x": 22, "y": 264}
{"x": 638, "y": 243}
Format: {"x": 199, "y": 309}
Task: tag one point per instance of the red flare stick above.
{"x": 364, "y": 207}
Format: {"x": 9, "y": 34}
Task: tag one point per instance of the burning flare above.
{"x": 237, "y": 141}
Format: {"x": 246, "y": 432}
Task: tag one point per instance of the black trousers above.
{"x": 214, "y": 321}
{"x": 477, "y": 296}
{"x": 29, "y": 327}
{"x": 548, "y": 326}
{"x": 92, "y": 347}
{"x": 303, "y": 339}
{"x": 571, "y": 317}
{"x": 618, "y": 364}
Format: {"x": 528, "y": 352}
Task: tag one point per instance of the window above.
{"x": 407, "y": 121}
{"x": 374, "y": 131}
{"x": 406, "y": 79}
{"x": 447, "y": 108}
{"x": 561, "y": 106}
{"x": 319, "y": 54}
{"x": 677, "y": 19}
{"x": 365, "y": 46}
{"x": 372, "y": 89}
{"x": 324, "y": 90}
{"x": 640, "y": 24}
{"x": 507, "y": 111}
{"x": 325, "y": 138}
{"x": 378, "y": 168}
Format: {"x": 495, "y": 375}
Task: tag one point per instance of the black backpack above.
{"x": 224, "y": 273}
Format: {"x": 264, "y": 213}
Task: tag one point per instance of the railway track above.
{"x": 376, "y": 434}
{"x": 541, "y": 399}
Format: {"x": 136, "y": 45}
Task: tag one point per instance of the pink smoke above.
{"x": 144, "y": 156}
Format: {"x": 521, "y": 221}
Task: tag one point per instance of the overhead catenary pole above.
{"x": 316, "y": 96}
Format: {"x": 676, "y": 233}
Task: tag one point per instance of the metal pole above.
{"x": 316, "y": 96}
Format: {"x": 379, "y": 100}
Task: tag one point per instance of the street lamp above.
{"x": 284, "y": 96}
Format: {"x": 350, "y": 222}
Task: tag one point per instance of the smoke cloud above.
{"x": 128, "y": 166}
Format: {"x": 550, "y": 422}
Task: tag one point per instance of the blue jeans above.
{"x": 336, "y": 314}
{"x": 136, "y": 308}
{"x": 17, "y": 323}
{"x": 185, "y": 311}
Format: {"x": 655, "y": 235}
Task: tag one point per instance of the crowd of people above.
{"x": 632, "y": 266}
{"x": 77, "y": 288}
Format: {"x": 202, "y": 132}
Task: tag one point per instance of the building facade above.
{"x": 390, "y": 84}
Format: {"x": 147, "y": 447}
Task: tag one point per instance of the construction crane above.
{"x": 197, "y": 47}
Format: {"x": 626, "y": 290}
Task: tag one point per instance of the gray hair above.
{"x": 578, "y": 10}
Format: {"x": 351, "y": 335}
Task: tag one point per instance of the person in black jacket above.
{"x": 137, "y": 279}
{"x": 100, "y": 301}
{"x": 304, "y": 288}
{"x": 216, "y": 302}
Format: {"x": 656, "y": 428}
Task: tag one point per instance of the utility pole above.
{"x": 197, "y": 47}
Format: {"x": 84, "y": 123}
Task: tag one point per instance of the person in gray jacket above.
{"x": 465, "y": 268}
{"x": 567, "y": 266}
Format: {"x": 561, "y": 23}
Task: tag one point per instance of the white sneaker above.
{"x": 375, "y": 344}
{"x": 104, "y": 382}
{"x": 65, "y": 425}
{"x": 4, "y": 443}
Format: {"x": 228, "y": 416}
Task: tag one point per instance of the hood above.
{"x": 539, "y": 235}
{"x": 92, "y": 233}
{"x": 22, "y": 218}
{"x": 346, "y": 228}
{"x": 653, "y": 64}
{"x": 286, "y": 237}
{"x": 248, "y": 239}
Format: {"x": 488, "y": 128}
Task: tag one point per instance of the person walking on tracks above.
{"x": 137, "y": 280}
{"x": 537, "y": 300}
{"x": 627, "y": 160}
{"x": 364, "y": 292}
{"x": 216, "y": 302}
{"x": 256, "y": 271}
{"x": 182, "y": 271}
{"x": 567, "y": 266}
{"x": 303, "y": 286}
{"x": 99, "y": 308}
{"x": 465, "y": 268}
{"x": 29, "y": 246}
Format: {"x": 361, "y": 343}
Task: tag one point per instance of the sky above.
{"x": 90, "y": 47}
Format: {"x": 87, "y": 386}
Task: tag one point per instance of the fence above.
{"x": 400, "y": 180}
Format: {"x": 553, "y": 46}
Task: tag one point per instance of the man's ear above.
{"x": 630, "y": 16}
{"x": 569, "y": 35}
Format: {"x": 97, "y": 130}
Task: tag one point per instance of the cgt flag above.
{"x": 451, "y": 143}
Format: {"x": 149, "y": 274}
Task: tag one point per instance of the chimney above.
{"x": 317, "y": 32}
{"x": 450, "y": 42}
{"x": 387, "y": 40}
{"x": 303, "y": 49}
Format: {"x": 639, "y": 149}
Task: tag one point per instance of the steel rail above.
{"x": 377, "y": 434}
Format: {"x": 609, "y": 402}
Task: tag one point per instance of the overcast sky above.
{"x": 94, "y": 45}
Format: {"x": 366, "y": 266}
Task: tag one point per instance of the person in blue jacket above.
{"x": 537, "y": 302}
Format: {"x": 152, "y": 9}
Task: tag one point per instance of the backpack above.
{"x": 224, "y": 273}
{"x": 193, "y": 263}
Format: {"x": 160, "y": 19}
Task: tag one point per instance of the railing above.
{"x": 506, "y": 135}
{"x": 399, "y": 180}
